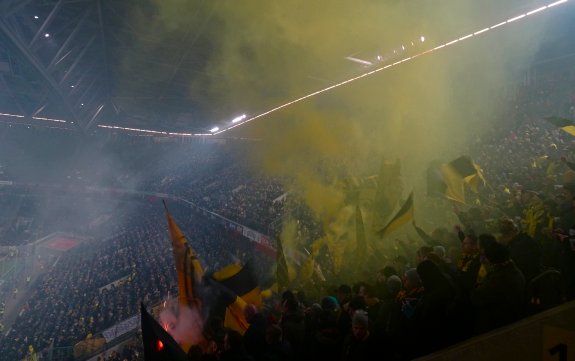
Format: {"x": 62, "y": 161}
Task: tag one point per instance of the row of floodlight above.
{"x": 234, "y": 121}
{"x": 243, "y": 119}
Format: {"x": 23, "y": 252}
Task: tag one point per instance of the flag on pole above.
{"x": 242, "y": 281}
{"x": 188, "y": 266}
{"x": 404, "y": 215}
{"x": 226, "y": 304}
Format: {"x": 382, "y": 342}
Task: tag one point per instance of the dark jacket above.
{"x": 500, "y": 299}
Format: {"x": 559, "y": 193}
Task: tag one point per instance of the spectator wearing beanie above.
{"x": 358, "y": 345}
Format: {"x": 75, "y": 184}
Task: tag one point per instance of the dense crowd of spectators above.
{"x": 78, "y": 298}
{"x": 510, "y": 256}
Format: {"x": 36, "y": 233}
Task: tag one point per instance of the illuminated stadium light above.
{"x": 50, "y": 119}
{"x": 498, "y": 25}
{"x": 357, "y": 60}
{"x": 337, "y": 85}
{"x": 557, "y": 3}
{"x": 37, "y": 118}
{"x": 239, "y": 119}
{"x": 149, "y": 131}
{"x": 517, "y": 18}
{"x": 12, "y": 115}
{"x": 36, "y": 17}
{"x": 132, "y": 129}
{"x": 238, "y": 122}
{"x": 480, "y": 31}
{"x": 47, "y": 35}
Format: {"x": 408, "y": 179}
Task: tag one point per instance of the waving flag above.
{"x": 404, "y": 215}
{"x": 188, "y": 266}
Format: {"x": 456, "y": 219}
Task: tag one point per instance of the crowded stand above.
{"x": 80, "y": 296}
{"x": 508, "y": 255}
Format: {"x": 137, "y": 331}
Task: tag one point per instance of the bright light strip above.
{"x": 357, "y": 60}
{"x": 337, "y": 85}
{"x": 537, "y": 10}
{"x": 50, "y": 119}
{"x": 214, "y": 129}
{"x": 37, "y": 118}
{"x": 12, "y": 115}
{"x": 239, "y": 119}
{"x": 149, "y": 131}
{"x": 498, "y": 25}
{"x": 132, "y": 129}
{"x": 557, "y": 3}
{"x": 516, "y": 18}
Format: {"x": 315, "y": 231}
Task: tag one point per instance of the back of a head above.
{"x": 389, "y": 271}
{"x": 507, "y": 227}
{"x": 433, "y": 257}
{"x": 329, "y": 303}
{"x": 288, "y": 295}
{"x": 485, "y": 240}
{"x": 431, "y": 275}
{"x": 497, "y": 253}
{"x": 440, "y": 251}
{"x": 360, "y": 318}
{"x": 291, "y": 304}
{"x": 357, "y": 303}
{"x": 344, "y": 293}
{"x": 394, "y": 285}
{"x": 412, "y": 278}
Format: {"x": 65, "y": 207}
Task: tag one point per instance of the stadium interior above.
{"x": 388, "y": 180}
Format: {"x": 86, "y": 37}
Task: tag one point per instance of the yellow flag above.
{"x": 404, "y": 215}
{"x": 188, "y": 266}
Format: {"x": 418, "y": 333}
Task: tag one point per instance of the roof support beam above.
{"x": 56, "y": 58}
{"x": 94, "y": 117}
{"x": 46, "y": 22}
{"x": 27, "y": 54}
{"x": 77, "y": 60}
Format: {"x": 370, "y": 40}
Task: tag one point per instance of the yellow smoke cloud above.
{"x": 264, "y": 53}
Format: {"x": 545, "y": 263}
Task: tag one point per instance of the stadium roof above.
{"x": 80, "y": 63}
